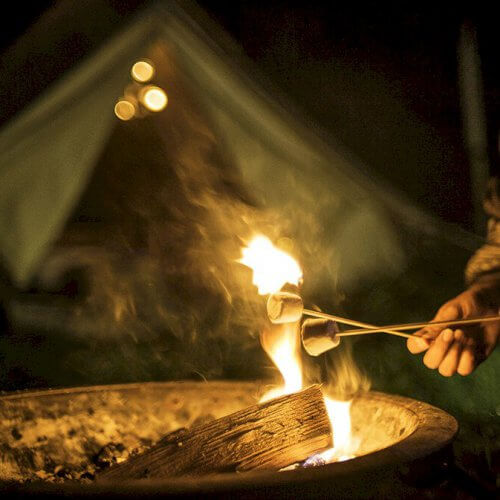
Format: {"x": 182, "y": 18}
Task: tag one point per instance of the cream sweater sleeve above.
{"x": 486, "y": 260}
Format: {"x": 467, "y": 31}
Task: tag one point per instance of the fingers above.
{"x": 451, "y": 353}
{"x": 449, "y": 365}
{"x": 418, "y": 343}
{"x": 438, "y": 350}
{"x": 477, "y": 347}
{"x": 460, "y": 351}
{"x": 467, "y": 361}
{"x": 490, "y": 337}
{"x": 422, "y": 340}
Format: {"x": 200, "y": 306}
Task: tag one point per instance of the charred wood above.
{"x": 271, "y": 435}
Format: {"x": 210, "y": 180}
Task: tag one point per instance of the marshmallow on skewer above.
{"x": 284, "y": 307}
{"x": 319, "y": 336}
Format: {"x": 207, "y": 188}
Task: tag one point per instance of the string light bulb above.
{"x": 153, "y": 98}
{"x": 124, "y": 110}
{"x": 142, "y": 71}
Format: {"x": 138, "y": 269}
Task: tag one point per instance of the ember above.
{"x": 395, "y": 427}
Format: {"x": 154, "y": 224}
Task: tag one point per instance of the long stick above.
{"x": 411, "y": 326}
{"x": 384, "y": 329}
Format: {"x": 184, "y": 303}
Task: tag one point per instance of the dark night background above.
{"x": 373, "y": 74}
{"x": 380, "y": 78}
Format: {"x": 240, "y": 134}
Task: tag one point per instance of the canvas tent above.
{"x": 237, "y": 105}
{"x": 356, "y": 236}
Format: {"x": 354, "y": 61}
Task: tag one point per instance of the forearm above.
{"x": 486, "y": 290}
{"x": 486, "y": 260}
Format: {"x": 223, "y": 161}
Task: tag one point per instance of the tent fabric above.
{"x": 301, "y": 171}
{"x": 49, "y": 150}
{"x": 47, "y": 153}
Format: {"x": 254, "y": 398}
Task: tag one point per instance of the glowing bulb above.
{"x": 142, "y": 71}
{"x": 153, "y": 98}
{"x": 124, "y": 110}
{"x": 272, "y": 267}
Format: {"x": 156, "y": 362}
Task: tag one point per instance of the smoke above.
{"x": 156, "y": 239}
{"x": 158, "y": 233}
{"x": 344, "y": 378}
{"x": 338, "y": 371}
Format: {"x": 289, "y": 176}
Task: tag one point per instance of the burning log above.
{"x": 271, "y": 435}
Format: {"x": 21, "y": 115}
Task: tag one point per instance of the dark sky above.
{"x": 21, "y": 15}
{"x": 382, "y": 79}
{"x": 415, "y": 45}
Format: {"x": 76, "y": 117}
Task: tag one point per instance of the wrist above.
{"x": 486, "y": 290}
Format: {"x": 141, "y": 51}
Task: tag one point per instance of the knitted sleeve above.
{"x": 486, "y": 259}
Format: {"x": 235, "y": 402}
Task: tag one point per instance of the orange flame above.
{"x": 281, "y": 343}
{"x": 345, "y": 446}
{"x": 272, "y": 268}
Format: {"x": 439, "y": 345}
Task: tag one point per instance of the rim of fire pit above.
{"x": 435, "y": 429}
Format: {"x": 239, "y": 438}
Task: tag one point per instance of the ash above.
{"x": 72, "y": 436}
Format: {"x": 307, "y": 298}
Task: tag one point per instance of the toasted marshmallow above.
{"x": 319, "y": 336}
{"x": 284, "y": 307}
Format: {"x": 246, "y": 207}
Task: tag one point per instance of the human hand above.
{"x": 461, "y": 350}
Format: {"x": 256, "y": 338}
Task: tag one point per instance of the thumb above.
{"x": 449, "y": 312}
{"x": 418, "y": 343}
{"x": 421, "y": 340}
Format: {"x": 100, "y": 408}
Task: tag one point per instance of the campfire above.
{"x": 75, "y": 434}
{"x": 215, "y": 428}
{"x": 273, "y": 269}
{"x": 292, "y": 425}
{"x": 141, "y": 282}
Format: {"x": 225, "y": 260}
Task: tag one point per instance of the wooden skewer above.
{"x": 364, "y": 326}
{"x": 411, "y": 326}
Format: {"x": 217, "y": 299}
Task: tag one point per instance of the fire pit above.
{"x": 53, "y": 434}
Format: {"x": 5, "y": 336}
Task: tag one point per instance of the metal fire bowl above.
{"x": 403, "y": 441}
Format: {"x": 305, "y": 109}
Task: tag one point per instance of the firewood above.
{"x": 271, "y": 435}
